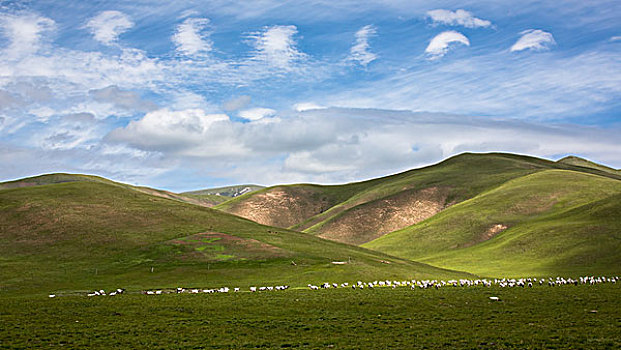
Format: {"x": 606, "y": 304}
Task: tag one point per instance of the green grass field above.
{"x": 567, "y": 317}
{"x": 509, "y": 215}
{"x": 555, "y": 221}
{"x": 84, "y": 235}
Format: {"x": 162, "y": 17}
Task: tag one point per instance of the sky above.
{"x": 183, "y": 95}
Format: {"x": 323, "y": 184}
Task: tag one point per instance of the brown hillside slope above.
{"x": 283, "y": 206}
{"x": 368, "y": 221}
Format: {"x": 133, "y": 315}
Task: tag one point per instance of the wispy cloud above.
{"x": 24, "y": 33}
{"x": 192, "y": 36}
{"x": 277, "y": 46}
{"x": 457, "y": 18}
{"x": 439, "y": 45}
{"x": 361, "y": 52}
{"x": 533, "y": 39}
{"x": 546, "y": 86}
{"x": 108, "y": 25}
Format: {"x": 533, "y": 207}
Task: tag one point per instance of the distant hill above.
{"x": 547, "y": 223}
{"x": 581, "y": 162}
{"x": 74, "y": 232}
{"x": 215, "y": 196}
{"x": 357, "y": 213}
{"x": 228, "y": 191}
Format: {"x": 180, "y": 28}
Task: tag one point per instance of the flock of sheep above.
{"x": 413, "y": 284}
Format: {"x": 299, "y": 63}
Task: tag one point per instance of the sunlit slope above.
{"x": 547, "y": 223}
{"x": 360, "y": 212}
{"x": 85, "y": 234}
{"x": 581, "y": 162}
{"x": 58, "y": 178}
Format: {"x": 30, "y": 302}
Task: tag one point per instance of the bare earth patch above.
{"x": 282, "y": 206}
{"x": 371, "y": 220}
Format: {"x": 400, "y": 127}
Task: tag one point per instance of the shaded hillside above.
{"x": 359, "y": 212}
{"x": 99, "y": 234}
{"x": 551, "y": 222}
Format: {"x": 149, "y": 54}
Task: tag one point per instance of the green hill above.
{"x": 360, "y": 212}
{"x": 581, "y": 162}
{"x": 93, "y": 233}
{"x": 547, "y": 223}
{"x": 58, "y": 178}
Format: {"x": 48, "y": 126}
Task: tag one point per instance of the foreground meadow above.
{"x": 542, "y": 317}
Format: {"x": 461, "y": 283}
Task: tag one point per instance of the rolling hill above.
{"x": 360, "y": 212}
{"x": 73, "y": 232}
{"x": 547, "y": 223}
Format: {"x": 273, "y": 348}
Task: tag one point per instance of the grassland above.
{"x": 569, "y": 317}
{"x": 550, "y": 222}
{"x": 84, "y": 235}
{"x": 500, "y": 215}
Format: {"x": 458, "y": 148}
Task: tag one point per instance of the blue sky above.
{"x": 190, "y": 94}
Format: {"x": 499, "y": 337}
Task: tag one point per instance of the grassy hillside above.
{"x": 360, "y": 212}
{"x": 581, "y": 162}
{"x": 546, "y": 223}
{"x": 99, "y": 234}
{"x": 58, "y": 178}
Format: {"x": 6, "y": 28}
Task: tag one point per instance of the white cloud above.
{"x": 533, "y": 39}
{"x": 191, "y": 36}
{"x": 108, "y": 25}
{"x": 257, "y": 113}
{"x": 439, "y": 45}
{"x": 615, "y": 38}
{"x": 306, "y": 106}
{"x": 360, "y": 51}
{"x": 276, "y": 46}
{"x": 339, "y": 145}
{"x": 175, "y": 132}
{"x": 24, "y": 32}
{"x": 457, "y": 18}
